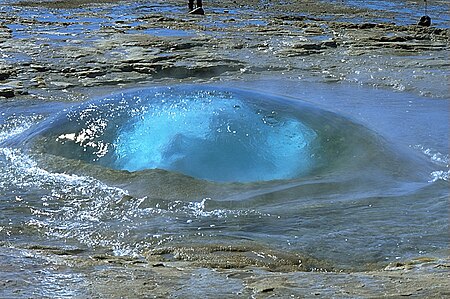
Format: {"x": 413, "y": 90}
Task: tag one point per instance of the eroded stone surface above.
{"x": 107, "y": 276}
{"x": 306, "y": 39}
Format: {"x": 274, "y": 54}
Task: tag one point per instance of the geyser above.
{"x": 216, "y": 134}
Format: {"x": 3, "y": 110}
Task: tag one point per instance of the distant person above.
{"x": 425, "y": 20}
{"x": 198, "y": 10}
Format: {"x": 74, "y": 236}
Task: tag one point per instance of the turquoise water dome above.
{"x": 214, "y": 136}
{"x": 210, "y": 133}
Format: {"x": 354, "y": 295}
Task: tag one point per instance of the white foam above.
{"x": 439, "y": 159}
{"x": 440, "y": 175}
{"x": 16, "y": 125}
{"x": 434, "y": 155}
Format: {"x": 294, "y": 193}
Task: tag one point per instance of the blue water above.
{"x": 353, "y": 176}
{"x": 370, "y": 183}
{"x": 214, "y": 136}
{"x": 407, "y": 12}
{"x": 59, "y": 27}
{"x": 208, "y": 133}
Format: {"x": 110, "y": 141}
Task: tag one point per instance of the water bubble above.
{"x": 212, "y": 134}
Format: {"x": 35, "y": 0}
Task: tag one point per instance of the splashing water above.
{"x": 86, "y": 177}
{"x": 216, "y": 137}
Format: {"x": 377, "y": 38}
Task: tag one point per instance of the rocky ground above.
{"x": 56, "y": 52}
{"x": 52, "y": 272}
{"x": 70, "y": 50}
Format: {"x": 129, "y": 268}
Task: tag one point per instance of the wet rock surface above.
{"x": 72, "y": 46}
{"x": 237, "y": 257}
{"x": 70, "y": 50}
{"x": 72, "y": 272}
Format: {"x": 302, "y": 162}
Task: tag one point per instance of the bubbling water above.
{"x": 214, "y": 136}
{"x": 210, "y": 133}
{"x": 87, "y": 177}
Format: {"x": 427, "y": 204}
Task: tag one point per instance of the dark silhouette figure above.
{"x": 198, "y": 10}
{"x": 425, "y": 20}
{"x": 191, "y": 4}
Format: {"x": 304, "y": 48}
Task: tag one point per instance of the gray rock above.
{"x": 61, "y": 84}
{"x": 39, "y": 67}
{"x": 6, "y": 91}
{"x": 4, "y": 73}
